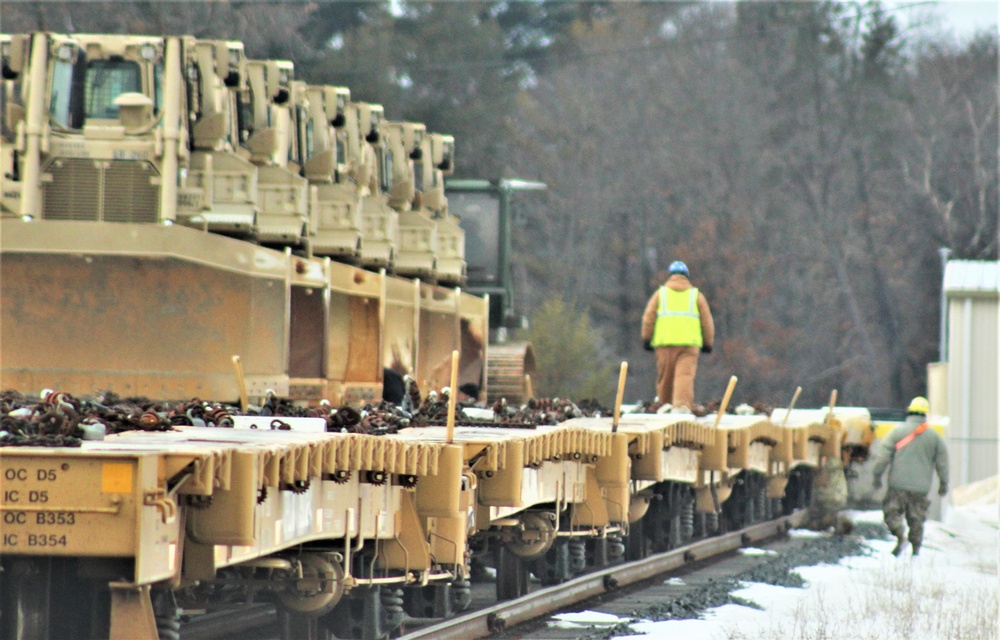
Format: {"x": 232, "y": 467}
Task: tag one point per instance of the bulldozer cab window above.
{"x": 62, "y": 88}
{"x": 157, "y": 88}
{"x": 244, "y": 114}
{"x": 341, "y": 144}
{"x": 386, "y": 171}
{"x": 480, "y": 218}
{"x": 8, "y": 97}
{"x": 194, "y": 92}
{"x": 106, "y": 80}
{"x": 418, "y": 175}
{"x": 304, "y": 129}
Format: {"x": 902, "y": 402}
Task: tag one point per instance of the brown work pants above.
{"x": 675, "y": 371}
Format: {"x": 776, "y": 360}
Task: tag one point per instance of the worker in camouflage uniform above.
{"x": 829, "y": 497}
{"x": 912, "y": 452}
{"x": 677, "y": 324}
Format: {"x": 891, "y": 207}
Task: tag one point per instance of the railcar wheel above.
{"x": 318, "y": 590}
{"x": 535, "y": 536}
{"x": 636, "y": 544}
{"x": 25, "y": 599}
{"x": 512, "y": 574}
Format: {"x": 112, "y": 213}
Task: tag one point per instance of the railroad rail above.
{"x": 497, "y": 618}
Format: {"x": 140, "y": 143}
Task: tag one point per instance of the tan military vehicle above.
{"x": 417, "y": 252}
{"x": 335, "y": 197}
{"x": 220, "y": 190}
{"x": 437, "y": 162}
{"x": 100, "y": 133}
{"x": 276, "y": 148}
{"x": 11, "y": 112}
{"x": 367, "y": 147}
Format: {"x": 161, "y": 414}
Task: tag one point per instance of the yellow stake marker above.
{"x": 725, "y": 401}
{"x": 241, "y": 382}
{"x": 452, "y": 397}
{"x": 618, "y": 398}
{"x": 791, "y": 406}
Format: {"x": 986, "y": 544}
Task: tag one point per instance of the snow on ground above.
{"x": 949, "y": 592}
{"x": 584, "y": 620}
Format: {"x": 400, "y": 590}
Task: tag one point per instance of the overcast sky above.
{"x": 962, "y": 17}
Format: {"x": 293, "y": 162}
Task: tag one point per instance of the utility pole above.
{"x": 944, "y": 252}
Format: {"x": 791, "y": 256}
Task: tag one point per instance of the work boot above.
{"x": 900, "y": 543}
{"x": 844, "y": 526}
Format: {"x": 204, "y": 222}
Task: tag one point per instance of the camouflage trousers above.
{"x": 913, "y": 506}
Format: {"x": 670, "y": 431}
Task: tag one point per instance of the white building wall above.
{"x": 973, "y": 397}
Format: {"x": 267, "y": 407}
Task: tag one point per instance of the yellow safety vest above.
{"x": 678, "y": 321}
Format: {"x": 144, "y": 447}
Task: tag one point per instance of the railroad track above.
{"x": 495, "y": 619}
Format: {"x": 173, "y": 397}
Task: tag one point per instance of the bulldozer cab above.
{"x": 105, "y": 111}
{"x": 365, "y": 145}
{"x": 418, "y": 231}
{"x": 14, "y": 50}
{"x": 270, "y": 92}
{"x": 402, "y": 146}
{"x": 436, "y": 162}
{"x": 335, "y": 221}
{"x": 380, "y": 222}
{"x": 217, "y": 67}
{"x": 277, "y": 146}
{"x": 325, "y": 107}
{"x": 220, "y": 190}
{"x": 484, "y": 210}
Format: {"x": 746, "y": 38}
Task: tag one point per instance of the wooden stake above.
{"x": 618, "y": 398}
{"x": 240, "y": 382}
{"x": 725, "y": 401}
{"x": 453, "y": 397}
{"x": 833, "y": 403}
{"x": 529, "y": 390}
{"x": 791, "y": 406}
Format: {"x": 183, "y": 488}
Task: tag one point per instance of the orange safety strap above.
{"x": 909, "y": 438}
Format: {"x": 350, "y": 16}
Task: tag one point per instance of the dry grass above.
{"x": 897, "y": 602}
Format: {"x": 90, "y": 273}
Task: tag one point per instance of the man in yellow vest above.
{"x": 677, "y": 323}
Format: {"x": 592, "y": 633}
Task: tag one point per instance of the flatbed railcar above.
{"x": 181, "y": 223}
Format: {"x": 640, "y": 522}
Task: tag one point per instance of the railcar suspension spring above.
{"x": 711, "y": 523}
{"x": 167, "y": 614}
{"x": 776, "y": 507}
{"x": 392, "y": 602}
{"x": 461, "y": 594}
{"x": 616, "y": 549}
{"x": 577, "y": 555}
{"x": 687, "y": 519}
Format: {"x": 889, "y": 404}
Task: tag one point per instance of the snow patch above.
{"x": 584, "y": 619}
{"x": 753, "y": 551}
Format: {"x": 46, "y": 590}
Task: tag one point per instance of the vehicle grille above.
{"x": 100, "y": 191}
